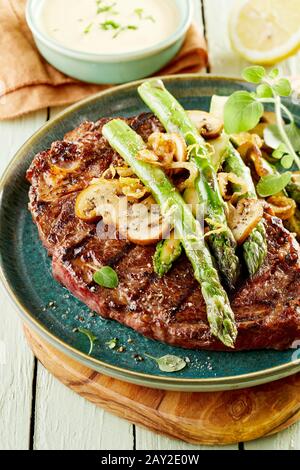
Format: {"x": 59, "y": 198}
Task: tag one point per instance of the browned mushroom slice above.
{"x": 244, "y": 218}
{"x": 168, "y": 147}
{"x": 252, "y": 153}
{"x": 145, "y": 224}
{"x": 282, "y": 206}
{"x": 209, "y": 126}
{"x": 97, "y": 201}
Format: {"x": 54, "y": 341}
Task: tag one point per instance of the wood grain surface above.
{"x": 218, "y": 418}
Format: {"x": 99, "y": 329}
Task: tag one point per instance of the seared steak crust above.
{"x": 267, "y": 307}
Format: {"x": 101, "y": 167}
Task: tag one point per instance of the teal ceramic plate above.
{"x": 54, "y": 313}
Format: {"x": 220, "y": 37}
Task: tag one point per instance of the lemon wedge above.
{"x": 265, "y": 32}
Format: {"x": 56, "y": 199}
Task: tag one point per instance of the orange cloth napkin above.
{"x": 29, "y": 83}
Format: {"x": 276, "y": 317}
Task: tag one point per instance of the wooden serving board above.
{"x": 214, "y": 418}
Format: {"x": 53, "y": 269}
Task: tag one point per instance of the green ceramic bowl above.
{"x": 109, "y": 68}
{"x": 26, "y": 268}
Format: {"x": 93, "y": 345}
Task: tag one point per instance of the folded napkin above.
{"x": 29, "y": 83}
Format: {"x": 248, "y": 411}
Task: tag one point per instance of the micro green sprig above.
{"x": 244, "y": 109}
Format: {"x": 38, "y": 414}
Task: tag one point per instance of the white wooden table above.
{"x": 36, "y": 411}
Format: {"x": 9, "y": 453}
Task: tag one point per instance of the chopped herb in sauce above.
{"x": 88, "y": 28}
{"x": 125, "y": 28}
{"x": 107, "y": 9}
{"x": 109, "y": 25}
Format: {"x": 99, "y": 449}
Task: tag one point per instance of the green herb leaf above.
{"x": 242, "y": 112}
{"x": 125, "y": 28}
{"x": 106, "y": 277}
{"x": 112, "y": 344}
{"x": 139, "y": 12}
{"x": 283, "y": 87}
{"x": 280, "y": 152}
{"x": 254, "y": 74}
{"x": 273, "y": 184}
{"x": 92, "y": 338}
{"x": 287, "y": 161}
{"x": 274, "y": 73}
{"x": 150, "y": 18}
{"x": 88, "y": 28}
{"x": 106, "y": 9}
{"x": 264, "y": 91}
{"x": 169, "y": 363}
{"x": 109, "y": 25}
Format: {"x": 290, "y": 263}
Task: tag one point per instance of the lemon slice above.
{"x": 265, "y": 31}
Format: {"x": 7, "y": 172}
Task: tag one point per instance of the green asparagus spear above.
{"x": 174, "y": 118}
{"x": 255, "y": 247}
{"x": 219, "y": 313}
{"x": 167, "y": 252}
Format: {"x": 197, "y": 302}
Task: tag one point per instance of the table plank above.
{"x": 285, "y": 440}
{"x": 16, "y": 360}
{"x": 65, "y": 421}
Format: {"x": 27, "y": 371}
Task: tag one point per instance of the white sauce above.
{"x": 108, "y": 26}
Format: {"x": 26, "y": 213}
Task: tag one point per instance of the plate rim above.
{"x": 154, "y": 381}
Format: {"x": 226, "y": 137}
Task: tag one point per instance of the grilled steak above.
{"x": 171, "y": 309}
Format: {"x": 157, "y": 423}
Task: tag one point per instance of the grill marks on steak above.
{"x": 172, "y": 309}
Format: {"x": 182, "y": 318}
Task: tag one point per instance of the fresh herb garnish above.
{"x": 106, "y": 9}
{"x": 169, "y": 363}
{"x": 109, "y": 25}
{"x": 140, "y": 13}
{"x": 273, "y": 184}
{"x": 88, "y": 28}
{"x": 112, "y": 344}
{"x": 92, "y": 338}
{"x": 125, "y": 28}
{"x": 244, "y": 110}
{"x": 106, "y": 277}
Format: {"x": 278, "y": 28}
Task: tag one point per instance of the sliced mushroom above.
{"x": 145, "y": 225}
{"x": 191, "y": 168}
{"x": 244, "y": 218}
{"x": 246, "y": 138}
{"x": 168, "y": 147}
{"x": 226, "y": 180}
{"x": 282, "y": 206}
{"x": 140, "y": 223}
{"x": 97, "y": 200}
{"x": 252, "y": 153}
{"x": 209, "y": 126}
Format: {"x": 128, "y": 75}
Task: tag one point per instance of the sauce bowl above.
{"x": 109, "y": 68}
